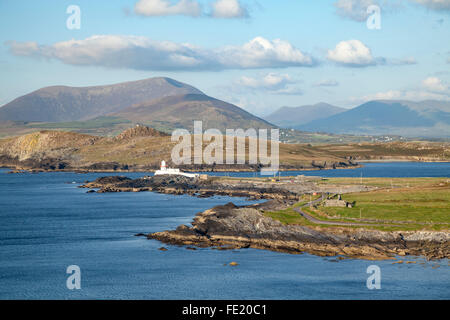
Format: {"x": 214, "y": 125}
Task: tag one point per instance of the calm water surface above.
{"x": 47, "y": 224}
{"x": 369, "y": 170}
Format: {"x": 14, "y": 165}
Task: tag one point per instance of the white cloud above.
{"x": 326, "y": 83}
{"x": 413, "y": 95}
{"x": 228, "y": 9}
{"x": 357, "y": 9}
{"x": 141, "y": 53}
{"x": 23, "y": 48}
{"x": 431, "y": 88}
{"x": 354, "y": 9}
{"x": 272, "y": 83}
{"x": 269, "y": 81}
{"x": 167, "y": 8}
{"x": 352, "y": 53}
{"x": 261, "y": 53}
{"x": 290, "y": 91}
{"x": 434, "y": 84}
{"x": 434, "y": 4}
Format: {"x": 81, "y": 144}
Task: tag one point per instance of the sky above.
{"x": 258, "y": 54}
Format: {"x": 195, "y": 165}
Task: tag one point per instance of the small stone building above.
{"x": 335, "y": 203}
{"x": 338, "y": 203}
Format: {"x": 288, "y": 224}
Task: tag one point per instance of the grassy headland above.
{"x": 397, "y": 204}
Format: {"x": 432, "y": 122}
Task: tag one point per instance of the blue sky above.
{"x": 326, "y": 51}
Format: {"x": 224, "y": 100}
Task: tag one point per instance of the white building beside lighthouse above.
{"x": 169, "y": 171}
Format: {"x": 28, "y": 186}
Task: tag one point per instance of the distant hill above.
{"x": 61, "y": 103}
{"x": 137, "y": 149}
{"x": 292, "y": 117}
{"x": 141, "y": 149}
{"x": 181, "y": 111}
{"x": 163, "y": 103}
{"x": 429, "y": 119}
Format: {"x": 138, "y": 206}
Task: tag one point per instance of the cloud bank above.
{"x": 152, "y": 8}
{"x": 431, "y": 88}
{"x": 436, "y": 85}
{"x": 269, "y": 81}
{"x": 326, "y": 83}
{"x": 227, "y": 9}
{"x": 272, "y": 83}
{"x": 356, "y": 10}
{"x": 141, "y": 53}
{"x": 438, "y": 5}
{"x": 354, "y": 53}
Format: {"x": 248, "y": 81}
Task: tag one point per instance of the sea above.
{"x": 48, "y": 224}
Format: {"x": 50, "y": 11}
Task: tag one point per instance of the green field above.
{"x": 287, "y": 216}
{"x": 387, "y": 182}
{"x": 424, "y": 204}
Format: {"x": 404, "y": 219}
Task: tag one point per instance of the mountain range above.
{"x": 167, "y": 104}
{"x": 292, "y": 117}
{"x": 161, "y": 102}
{"x": 62, "y": 103}
{"x": 428, "y": 119}
{"x": 425, "y": 119}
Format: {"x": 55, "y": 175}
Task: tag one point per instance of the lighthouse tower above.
{"x": 169, "y": 171}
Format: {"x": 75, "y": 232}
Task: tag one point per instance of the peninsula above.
{"x": 326, "y": 217}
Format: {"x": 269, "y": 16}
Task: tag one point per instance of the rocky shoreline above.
{"x": 64, "y": 165}
{"x": 230, "y": 227}
{"x": 223, "y": 186}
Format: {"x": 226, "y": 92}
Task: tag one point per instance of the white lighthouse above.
{"x": 169, "y": 171}
{"x": 163, "y": 166}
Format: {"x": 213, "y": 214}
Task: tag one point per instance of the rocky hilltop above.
{"x": 139, "y": 132}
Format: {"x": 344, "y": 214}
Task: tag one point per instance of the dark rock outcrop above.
{"x": 230, "y": 226}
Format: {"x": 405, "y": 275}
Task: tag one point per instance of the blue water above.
{"x": 369, "y": 170}
{"x": 47, "y": 224}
